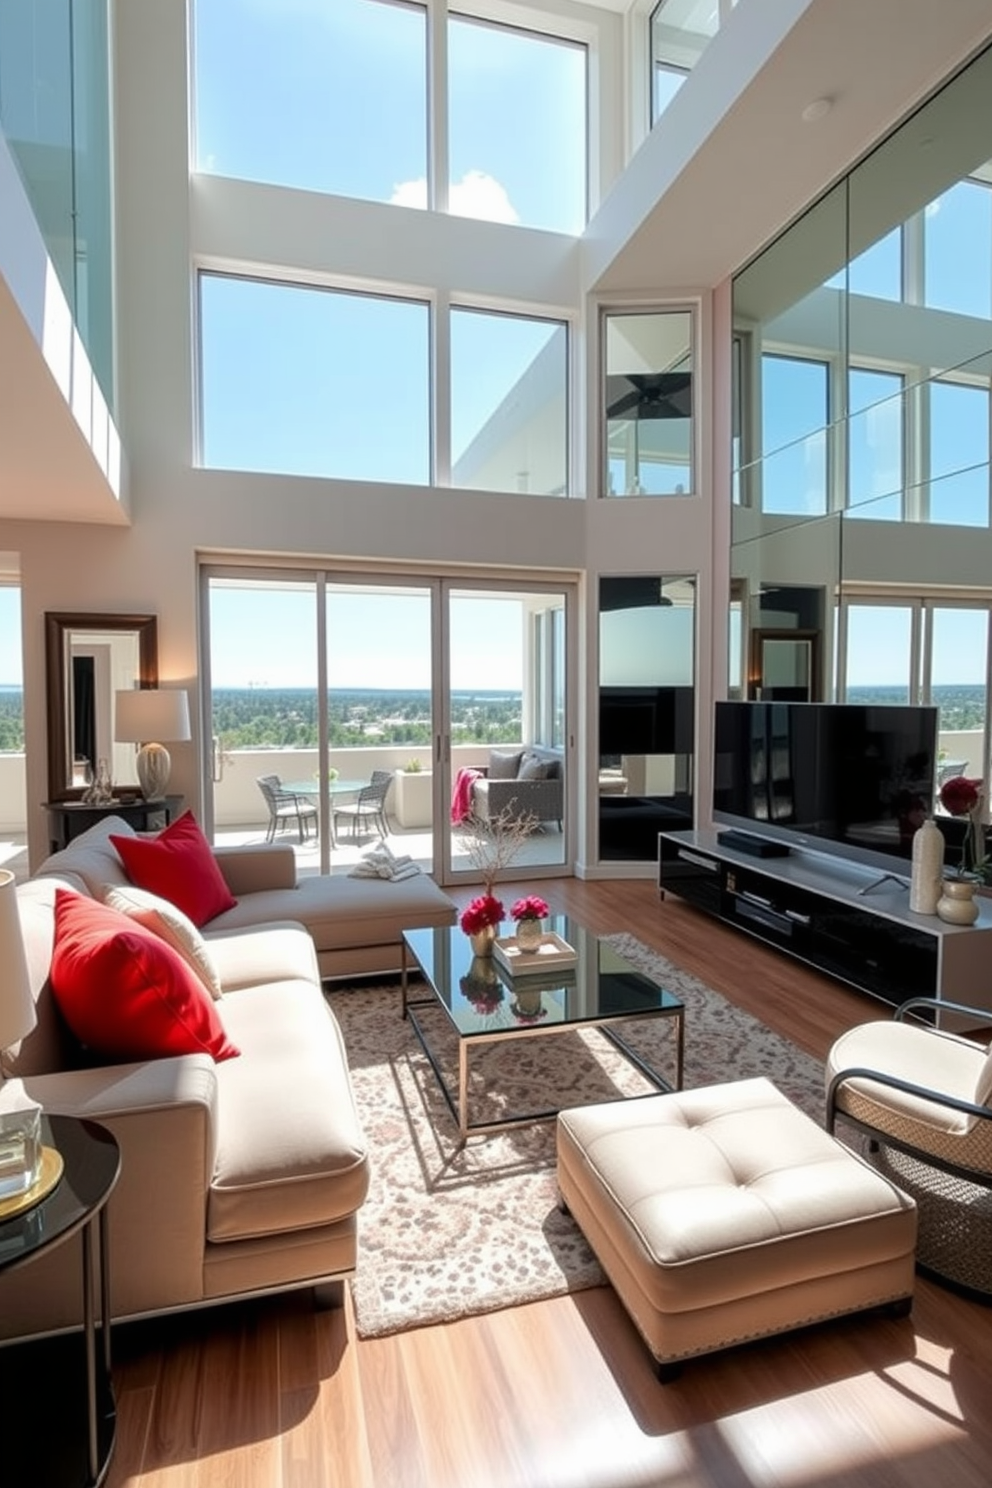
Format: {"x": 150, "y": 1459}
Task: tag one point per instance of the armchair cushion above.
{"x": 125, "y": 993}
{"x": 504, "y": 763}
{"x": 178, "y": 864}
{"x": 533, "y": 768}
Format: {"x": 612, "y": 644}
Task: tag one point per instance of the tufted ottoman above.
{"x": 725, "y": 1214}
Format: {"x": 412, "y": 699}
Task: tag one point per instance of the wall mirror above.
{"x": 88, "y": 658}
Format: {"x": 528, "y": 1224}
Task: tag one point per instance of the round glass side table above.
{"x": 58, "y": 1418}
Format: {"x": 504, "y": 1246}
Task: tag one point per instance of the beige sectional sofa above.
{"x": 237, "y": 1177}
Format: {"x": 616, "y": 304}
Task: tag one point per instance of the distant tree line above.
{"x": 274, "y": 718}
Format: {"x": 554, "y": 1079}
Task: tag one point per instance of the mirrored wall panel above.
{"x": 646, "y": 712}
{"x": 862, "y": 539}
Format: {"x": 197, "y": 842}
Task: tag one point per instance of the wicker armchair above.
{"x": 921, "y": 1097}
{"x": 535, "y": 787}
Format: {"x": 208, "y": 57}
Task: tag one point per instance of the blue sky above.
{"x": 266, "y": 637}
{"x": 11, "y": 664}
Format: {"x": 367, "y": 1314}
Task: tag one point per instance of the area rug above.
{"x": 448, "y": 1232}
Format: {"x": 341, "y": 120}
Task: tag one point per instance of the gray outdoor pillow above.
{"x": 504, "y": 763}
{"x": 533, "y": 768}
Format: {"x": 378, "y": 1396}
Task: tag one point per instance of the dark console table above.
{"x": 836, "y": 916}
{"x": 67, "y": 819}
{"x": 59, "y": 1414}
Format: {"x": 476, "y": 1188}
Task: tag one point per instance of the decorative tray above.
{"x": 552, "y": 955}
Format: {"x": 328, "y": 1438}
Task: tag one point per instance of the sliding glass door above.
{"x": 351, "y": 712}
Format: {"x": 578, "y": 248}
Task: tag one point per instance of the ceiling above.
{"x": 761, "y": 164}
{"x": 687, "y": 224}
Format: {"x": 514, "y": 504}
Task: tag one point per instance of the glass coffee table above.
{"x": 483, "y": 1005}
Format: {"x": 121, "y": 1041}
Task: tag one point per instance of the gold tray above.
{"x": 51, "y": 1172}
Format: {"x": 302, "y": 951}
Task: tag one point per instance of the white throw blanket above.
{"x": 382, "y": 862}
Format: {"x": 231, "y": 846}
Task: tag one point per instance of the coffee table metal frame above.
{"x": 668, "y": 1007}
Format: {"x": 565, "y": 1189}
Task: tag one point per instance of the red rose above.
{"x": 483, "y": 911}
{"x": 960, "y": 795}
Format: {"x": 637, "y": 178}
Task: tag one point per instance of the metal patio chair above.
{"x": 368, "y": 806}
{"x": 285, "y": 806}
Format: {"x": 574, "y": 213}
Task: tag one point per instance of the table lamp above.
{"x": 144, "y": 715}
{"x": 20, "y": 1117}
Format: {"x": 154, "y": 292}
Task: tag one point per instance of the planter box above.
{"x": 412, "y": 798}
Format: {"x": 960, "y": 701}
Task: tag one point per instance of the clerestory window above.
{"x": 352, "y": 98}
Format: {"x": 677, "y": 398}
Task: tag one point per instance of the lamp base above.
{"x": 154, "y": 765}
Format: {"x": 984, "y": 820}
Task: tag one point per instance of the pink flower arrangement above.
{"x": 531, "y": 908}
{"x": 480, "y": 914}
{"x": 485, "y": 997}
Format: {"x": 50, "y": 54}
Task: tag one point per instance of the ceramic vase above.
{"x": 530, "y": 933}
{"x": 928, "y": 865}
{"x": 957, "y": 904}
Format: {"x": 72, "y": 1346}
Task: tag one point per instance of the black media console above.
{"x": 844, "y": 919}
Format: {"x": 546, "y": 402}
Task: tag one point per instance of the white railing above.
{"x": 238, "y": 800}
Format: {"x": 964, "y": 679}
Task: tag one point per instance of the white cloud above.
{"x": 480, "y": 195}
{"x": 475, "y": 195}
{"x": 410, "y": 193}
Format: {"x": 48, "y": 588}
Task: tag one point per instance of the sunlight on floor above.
{"x": 544, "y": 847}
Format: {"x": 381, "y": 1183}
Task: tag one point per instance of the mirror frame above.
{"x": 57, "y": 626}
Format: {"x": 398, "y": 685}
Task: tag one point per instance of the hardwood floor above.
{"x": 561, "y": 1394}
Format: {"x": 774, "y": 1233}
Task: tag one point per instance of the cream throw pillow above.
{"x": 171, "y": 925}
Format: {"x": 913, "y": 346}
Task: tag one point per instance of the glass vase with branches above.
{"x": 492, "y": 843}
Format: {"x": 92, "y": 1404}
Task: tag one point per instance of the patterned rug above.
{"x": 448, "y": 1232}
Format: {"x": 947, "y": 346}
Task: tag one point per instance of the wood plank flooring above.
{"x": 561, "y": 1394}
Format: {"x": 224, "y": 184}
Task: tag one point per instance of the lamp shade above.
{"x": 145, "y": 716}
{"x": 17, "y": 1012}
{"x": 149, "y": 715}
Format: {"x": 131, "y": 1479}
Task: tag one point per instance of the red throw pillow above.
{"x": 179, "y": 865}
{"x": 125, "y": 993}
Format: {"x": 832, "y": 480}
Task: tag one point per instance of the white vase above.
{"x": 530, "y": 933}
{"x": 928, "y": 867}
{"x": 957, "y": 904}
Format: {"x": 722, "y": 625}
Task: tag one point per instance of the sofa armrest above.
{"x": 108, "y": 1090}
{"x": 257, "y": 865}
{"x": 162, "y": 1113}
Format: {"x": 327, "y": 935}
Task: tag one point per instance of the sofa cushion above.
{"x": 277, "y": 951}
{"x": 91, "y": 856}
{"x": 290, "y": 1149}
{"x": 504, "y": 763}
{"x": 125, "y": 993}
{"x": 169, "y": 924}
{"x": 179, "y": 865}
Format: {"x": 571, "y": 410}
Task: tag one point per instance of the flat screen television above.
{"x": 850, "y": 779}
